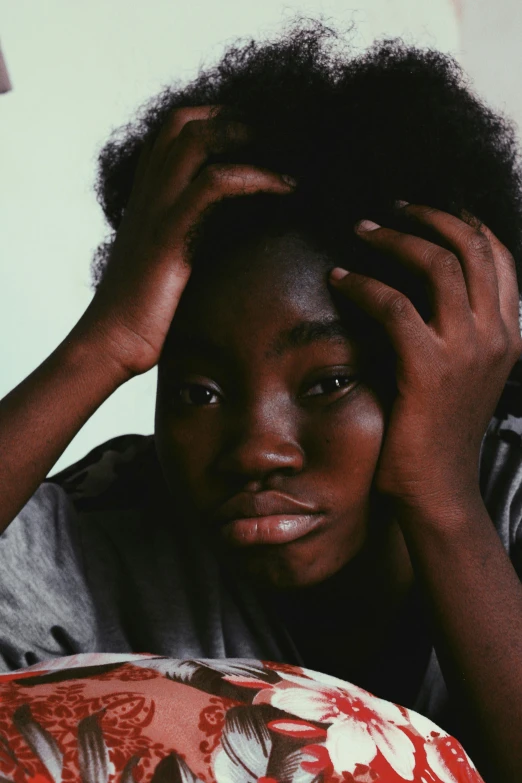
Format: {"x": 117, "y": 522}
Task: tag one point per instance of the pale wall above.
{"x": 491, "y": 51}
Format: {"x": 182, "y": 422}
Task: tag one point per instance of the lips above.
{"x": 262, "y": 504}
{"x": 266, "y": 518}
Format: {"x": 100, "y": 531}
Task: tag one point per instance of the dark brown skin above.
{"x": 258, "y": 429}
{"x": 270, "y": 418}
{"x": 122, "y": 332}
{"x": 450, "y": 374}
{"x": 271, "y": 423}
{"x": 451, "y": 371}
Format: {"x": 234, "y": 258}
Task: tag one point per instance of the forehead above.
{"x": 266, "y": 288}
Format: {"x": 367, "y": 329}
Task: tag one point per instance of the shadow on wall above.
{"x": 5, "y": 83}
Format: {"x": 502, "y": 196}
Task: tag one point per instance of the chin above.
{"x": 272, "y": 569}
{"x": 302, "y": 563}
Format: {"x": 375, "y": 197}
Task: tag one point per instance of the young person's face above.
{"x": 263, "y": 400}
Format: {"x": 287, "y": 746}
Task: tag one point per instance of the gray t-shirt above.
{"x": 93, "y": 563}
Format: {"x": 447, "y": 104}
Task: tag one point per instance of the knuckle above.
{"x": 515, "y": 351}
{"x": 214, "y": 175}
{"x": 182, "y": 115}
{"x": 221, "y": 176}
{"x": 177, "y": 121}
{"x": 191, "y": 131}
{"x": 396, "y": 305}
{"x": 426, "y": 211}
{"x": 506, "y": 256}
{"x": 507, "y": 260}
{"x": 514, "y": 347}
{"x": 498, "y": 344}
{"x": 428, "y": 259}
{"x": 447, "y": 262}
{"x": 421, "y": 211}
{"x": 477, "y": 244}
{"x": 235, "y": 131}
{"x": 181, "y": 111}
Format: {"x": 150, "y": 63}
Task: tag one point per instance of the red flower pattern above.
{"x": 146, "y": 714}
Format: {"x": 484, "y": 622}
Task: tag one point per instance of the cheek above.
{"x": 184, "y": 449}
{"x": 183, "y": 446}
{"x": 341, "y": 447}
{"x": 351, "y": 440}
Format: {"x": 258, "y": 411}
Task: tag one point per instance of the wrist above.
{"x": 442, "y": 512}
{"x": 91, "y": 347}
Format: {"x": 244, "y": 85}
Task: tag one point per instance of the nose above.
{"x": 260, "y": 447}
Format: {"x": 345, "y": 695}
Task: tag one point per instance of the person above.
{"x": 322, "y": 254}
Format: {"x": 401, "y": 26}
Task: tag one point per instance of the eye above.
{"x": 330, "y": 385}
{"x": 195, "y": 394}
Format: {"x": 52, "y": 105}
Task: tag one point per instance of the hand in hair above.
{"x": 450, "y": 371}
{"x": 149, "y": 264}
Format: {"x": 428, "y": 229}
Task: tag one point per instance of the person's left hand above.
{"x": 450, "y": 372}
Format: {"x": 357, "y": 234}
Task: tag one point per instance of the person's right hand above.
{"x": 149, "y": 266}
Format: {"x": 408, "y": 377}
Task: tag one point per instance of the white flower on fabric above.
{"x": 362, "y": 731}
{"x": 441, "y": 748}
{"x": 360, "y": 724}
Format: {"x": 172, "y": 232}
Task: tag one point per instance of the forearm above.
{"x": 40, "y": 417}
{"x": 474, "y": 599}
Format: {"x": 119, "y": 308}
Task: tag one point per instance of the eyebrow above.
{"x": 307, "y": 332}
{"x": 301, "y": 334}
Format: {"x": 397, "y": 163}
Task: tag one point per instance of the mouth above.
{"x": 274, "y": 529}
{"x": 248, "y": 519}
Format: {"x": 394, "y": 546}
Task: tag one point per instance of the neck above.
{"x": 374, "y": 584}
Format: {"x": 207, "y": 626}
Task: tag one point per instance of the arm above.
{"x": 122, "y": 332}
{"x": 451, "y": 371}
{"x": 40, "y": 417}
{"x": 474, "y": 599}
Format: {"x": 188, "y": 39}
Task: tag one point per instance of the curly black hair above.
{"x": 357, "y": 132}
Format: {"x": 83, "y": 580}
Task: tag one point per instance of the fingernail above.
{"x": 400, "y": 204}
{"x": 366, "y": 225}
{"x": 289, "y": 180}
{"x": 338, "y": 273}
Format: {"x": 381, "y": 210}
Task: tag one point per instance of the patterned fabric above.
{"x": 128, "y": 719}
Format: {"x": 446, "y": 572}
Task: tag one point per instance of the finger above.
{"x": 408, "y": 333}
{"x": 475, "y": 253}
{"x": 190, "y": 151}
{"x": 214, "y": 183}
{"x": 174, "y": 124}
{"x": 440, "y": 267}
{"x": 508, "y": 290}
{"x": 141, "y": 168}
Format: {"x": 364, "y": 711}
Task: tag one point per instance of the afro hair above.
{"x": 358, "y": 132}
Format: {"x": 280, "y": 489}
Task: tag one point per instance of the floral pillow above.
{"x": 129, "y": 718}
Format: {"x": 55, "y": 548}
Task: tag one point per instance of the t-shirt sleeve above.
{"x": 45, "y": 605}
{"x": 501, "y": 471}
{"x": 515, "y": 511}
